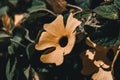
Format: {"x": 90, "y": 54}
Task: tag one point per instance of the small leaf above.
{"x": 4, "y": 34}
{"x": 36, "y": 6}
{"x": 85, "y": 4}
{"x": 10, "y": 69}
{"x": 6, "y": 21}
{"x": 3, "y": 10}
{"x": 27, "y": 72}
{"x": 58, "y": 5}
{"x": 107, "y": 11}
{"x": 102, "y": 75}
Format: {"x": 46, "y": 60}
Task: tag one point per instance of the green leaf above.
{"x": 27, "y": 72}
{"x": 10, "y": 69}
{"x": 14, "y": 2}
{"x": 36, "y": 15}
{"x": 37, "y": 5}
{"x": 4, "y": 34}
{"x": 107, "y": 11}
{"x": 3, "y": 10}
{"x": 85, "y": 4}
{"x": 108, "y": 35}
{"x": 86, "y": 13}
{"x": 117, "y": 3}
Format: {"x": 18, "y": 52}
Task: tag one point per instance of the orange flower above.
{"x": 58, "y": 36}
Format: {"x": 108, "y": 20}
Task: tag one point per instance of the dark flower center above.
{"x": 63, "y": 41}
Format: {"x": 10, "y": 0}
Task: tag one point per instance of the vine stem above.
{"x": 115, "y": 58}
{"x": 49, "y": 11}
{"x": 77, "y": 7}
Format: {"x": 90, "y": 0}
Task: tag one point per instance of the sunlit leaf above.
{"x": 107, "y": 11}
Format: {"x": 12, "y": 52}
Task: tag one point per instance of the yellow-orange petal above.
{"x": 71, "y": 42}
{"x": 46, "y": 40}
{"x": 72, "y": 23}
{"x": 90, "y": 43}
{"x": 90, "y": 53}
{"x": 56, "y": 27}
{"x": 102, "y": 75}
{"x": 55, "y": 56}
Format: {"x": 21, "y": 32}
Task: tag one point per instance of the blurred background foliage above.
{"x": 21, "y": 23}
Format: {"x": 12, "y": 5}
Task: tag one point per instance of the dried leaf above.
{"x": 18, "y": 18}
{"x": 58, "y": 5}
{"x": 6, "y": 21}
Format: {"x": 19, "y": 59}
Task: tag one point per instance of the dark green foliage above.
{"x": 107, "y": 11}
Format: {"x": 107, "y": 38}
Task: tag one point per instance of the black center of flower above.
{"x": 63, "y": 41}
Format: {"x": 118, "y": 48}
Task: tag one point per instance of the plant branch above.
{"x": 73, "y": 6}
{"x": 115, "y": 58}
{"x": 45, "y": 10}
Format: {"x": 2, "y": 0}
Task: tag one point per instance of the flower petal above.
{"x": 102, "y": 75}
{"x": 70, "y": 45}
{"x": 72, "y": 23}
{"x": 54, "y": 57}
{"x": 56, "y": 27}
{"x": 90, "y": 53}
{"x": 90, "y": 43}
{"x": 46, "y": 40}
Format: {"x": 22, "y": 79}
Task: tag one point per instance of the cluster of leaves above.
{"x": 21, "y": 23}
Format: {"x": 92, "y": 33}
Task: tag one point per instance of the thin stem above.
{"x": 115, "y": 58}
{"x": 18, "y": 43}
{"x": 77, "y": 12}
{"x": 27, "y": 36}
{"x": 45, "y": 10}
{"x": 70, "y": 5}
